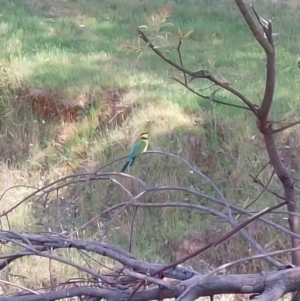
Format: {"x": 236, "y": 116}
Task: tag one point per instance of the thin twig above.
{"x": 253, "y": 257}
{"x": 285, "y": 127}
{"x": 262, "y": 169}
{"x": 80, "y": 187}
{"x": 56, "y": 258}
{"x": 199, "y": 74}
{"x": 262, "y": 192}
{"x": 19, "y": 286}
{"x": 266, "y": 188}
{"x": 208, "y": 98}
{"x": 181, "y": 62}
{"x": 16, "y": 186}
{"x": 132, "y": 228}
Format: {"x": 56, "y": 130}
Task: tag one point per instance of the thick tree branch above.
{"x": 189, "y": 286}
{"x": 43, "y": 243}
{"x": 256, "y": 30}
{"x": 267, "y": 45}
{"x": 289, "y": 192}
{"x": 268, "y": 285}
{"x": 262, "y": 31}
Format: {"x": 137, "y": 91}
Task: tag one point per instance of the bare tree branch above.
{"x": 126, "y": 282}
{"x": 267, "y": 45}
{"x": 181, "y": 62}
{"x": 264, "y": 189}
{"x": 285, "y": 281}
{"x": 100, "y": 293}
{"x": 263, "y": 32}
{"x": 259, "y": 256}
{"x": 147, "y": 279}
{"x": 208, "y": 210}
{"x": 199, "y": 74}
{"x": 209, "y": 98}
{"x": 189, "y": 286}
{"x": 265, "y": 126}
{"x": 285, "y": 127}
{"x": 53, "y": 242}
{"x": 256, "y": 31}
{"x": 19, "y": 286}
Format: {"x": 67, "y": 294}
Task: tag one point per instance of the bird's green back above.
{"x": 138, "y": 147}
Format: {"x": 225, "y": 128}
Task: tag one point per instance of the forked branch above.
{"x": 264, "y": 36}
{"x": 199, "y": 74}
{"x": 263, "y": 32}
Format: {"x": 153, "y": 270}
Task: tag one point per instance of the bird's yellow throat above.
{"x": 144, "y": 135}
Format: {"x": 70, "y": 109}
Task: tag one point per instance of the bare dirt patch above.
{"x": 54, "y": 106}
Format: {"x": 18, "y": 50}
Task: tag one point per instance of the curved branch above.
{"x": 209, "y": 98}
{"x": 256, "y": 30}
{"x": 46, "y": 242}
{"x": 267, "y": 45}
{"x": 199, "y": 74}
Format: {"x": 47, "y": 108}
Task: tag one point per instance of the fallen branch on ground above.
{"x": 182, "y": 283}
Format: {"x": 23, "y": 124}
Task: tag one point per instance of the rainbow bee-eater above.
{"x": 139, "y": 146}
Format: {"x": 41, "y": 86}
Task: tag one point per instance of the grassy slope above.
{"x": 46, "y": 46}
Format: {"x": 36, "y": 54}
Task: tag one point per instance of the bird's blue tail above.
{"x": 129, "y": 161}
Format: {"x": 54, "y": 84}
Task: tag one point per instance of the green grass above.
{"x": 77, "y": 47}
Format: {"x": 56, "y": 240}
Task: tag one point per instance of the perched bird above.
{"x": 139, "y": 146}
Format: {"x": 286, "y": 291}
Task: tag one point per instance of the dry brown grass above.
{"x": 116, "y": 108}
